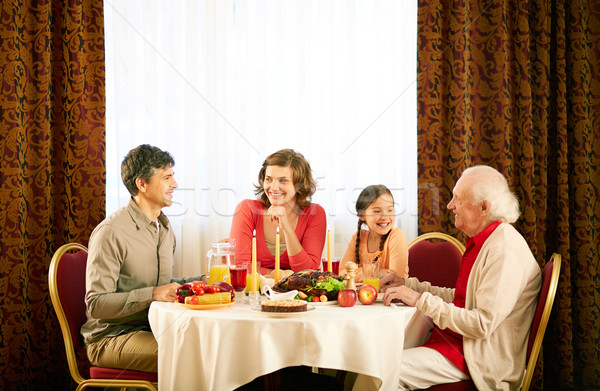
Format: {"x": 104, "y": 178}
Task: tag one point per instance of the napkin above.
{"x": 272, "y": 295}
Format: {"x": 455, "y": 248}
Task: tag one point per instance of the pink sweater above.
{"x": 311, "y": 230}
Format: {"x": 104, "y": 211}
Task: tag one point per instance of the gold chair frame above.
{"x": 539, "y": 336}
{"x": 441, "y": 236}
{"x": 82, "y": 383}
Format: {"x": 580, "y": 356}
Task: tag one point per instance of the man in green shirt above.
{"x": 130, "y": 264}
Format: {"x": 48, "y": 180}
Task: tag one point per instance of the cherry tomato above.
{"x": 197, "y": 285}
{"x": 316, "y": 299}
{"x": 200, "y": 292}
{"x": 212, "y": 289}
{"x": 194, "y": 300}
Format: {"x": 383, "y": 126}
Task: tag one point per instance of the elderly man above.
{"x": 483, "y": 324}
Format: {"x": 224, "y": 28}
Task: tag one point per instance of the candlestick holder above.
{"x": 254, "y": 300}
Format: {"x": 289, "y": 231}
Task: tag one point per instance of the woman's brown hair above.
{"x": 304, "y": 183}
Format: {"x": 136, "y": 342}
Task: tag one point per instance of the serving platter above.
{"x": 206, "y": 306}
{"x": 322, "y": 303}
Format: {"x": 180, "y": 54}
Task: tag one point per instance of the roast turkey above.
{"x": 305, "y": 281}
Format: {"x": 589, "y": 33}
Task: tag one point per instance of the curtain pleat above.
{"x": 516, "y": 85}
{"x": 52, "y": 172}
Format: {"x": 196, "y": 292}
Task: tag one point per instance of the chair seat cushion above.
{"x": 122, "y": 374}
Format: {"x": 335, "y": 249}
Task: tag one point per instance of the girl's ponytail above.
{"x": 360, "y": 222}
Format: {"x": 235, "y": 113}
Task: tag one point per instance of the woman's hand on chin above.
{"x": 277, "y": 213}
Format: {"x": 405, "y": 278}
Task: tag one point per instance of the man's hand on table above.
{"x": 165, "y": 292}
{"x": 394, "y": 290}
{"x": 390, "y": 280}
{"x": 401, "y": 293}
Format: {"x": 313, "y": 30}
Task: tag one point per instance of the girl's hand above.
{"x": 403, "y": 294}
{"x": 358, "y": 275}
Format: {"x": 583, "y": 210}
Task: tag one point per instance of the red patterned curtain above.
{"x": 52, "y": 173}
{"x": 515, "y": 84}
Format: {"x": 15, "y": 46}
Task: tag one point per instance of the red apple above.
{"x": 367, "y": 294}
{"x": 346, "y": 297}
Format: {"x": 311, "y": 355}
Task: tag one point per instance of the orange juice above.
{"x": 218, "y": 273}
{"x": 373, "y": 281}
{"x": 249, "y": 282}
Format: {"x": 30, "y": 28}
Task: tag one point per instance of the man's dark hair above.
{"x": 141, "y": 162}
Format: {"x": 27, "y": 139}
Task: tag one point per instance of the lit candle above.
{"x": 277, "y": 256}
{"x": 254, "y": 290}
{"x": 329, "y": 267}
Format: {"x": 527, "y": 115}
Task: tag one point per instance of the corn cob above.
{"x": 212, "y": 298}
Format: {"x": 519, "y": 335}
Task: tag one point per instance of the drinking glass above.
{"x": 249, "y": 277}
{"x": 238, "y": 279}
{"x": 335, "y": 265}
{"x": 371, "y": 274}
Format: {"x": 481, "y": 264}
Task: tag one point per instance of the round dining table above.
{"x": 222, "y": 349}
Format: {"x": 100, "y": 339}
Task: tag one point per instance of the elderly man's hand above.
{"x": 403, "y": 294}
{"x": 390, "y": 280}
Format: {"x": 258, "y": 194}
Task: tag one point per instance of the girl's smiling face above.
{"x": 380, "y": 215}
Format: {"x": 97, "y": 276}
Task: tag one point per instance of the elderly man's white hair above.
{"x": 490, "y": 185}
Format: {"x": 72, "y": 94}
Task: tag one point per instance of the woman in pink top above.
{"x": 382, "y": 243}
{"x": 284, "y": 190}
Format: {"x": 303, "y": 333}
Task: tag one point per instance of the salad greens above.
{"x": 331, "y": 284}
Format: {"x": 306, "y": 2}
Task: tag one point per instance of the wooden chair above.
{"x": 66, "y": 279}
{"x": 435, "y": 257}
{"x": 550, "y": 276}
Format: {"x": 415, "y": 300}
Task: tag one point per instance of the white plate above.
{"x": 285, "y": 314}
{"x": 320, "y": 303}
{"x": 379, "y": 299}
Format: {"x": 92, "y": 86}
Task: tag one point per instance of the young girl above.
{"x": 382, "y": 242}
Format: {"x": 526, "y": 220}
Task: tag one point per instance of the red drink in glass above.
{"x": 238, "y": 277}
{"x": 335, "y": 266}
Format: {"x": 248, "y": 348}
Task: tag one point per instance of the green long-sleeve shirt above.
{"x": 128, "y": 256}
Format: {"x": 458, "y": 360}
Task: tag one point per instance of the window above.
{"x": 223, "y": 84}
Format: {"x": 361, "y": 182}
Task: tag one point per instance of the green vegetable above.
{"x": 331, "y": 284}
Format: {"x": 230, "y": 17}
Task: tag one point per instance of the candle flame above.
{"x": 254, "y": 233}
{"x": 277, "y": 229}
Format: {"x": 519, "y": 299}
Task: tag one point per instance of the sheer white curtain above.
{"x": 223, "y": 84}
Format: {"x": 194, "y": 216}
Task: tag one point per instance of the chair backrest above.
{"x": 66, "y": 280}
{"x": 435, "y": 262}
{"x": 550, "y": 276}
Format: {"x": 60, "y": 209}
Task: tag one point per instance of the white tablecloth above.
{"x": 225, "y": 348}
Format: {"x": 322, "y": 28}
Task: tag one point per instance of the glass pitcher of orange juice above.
{"x": 218, "y": 259}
